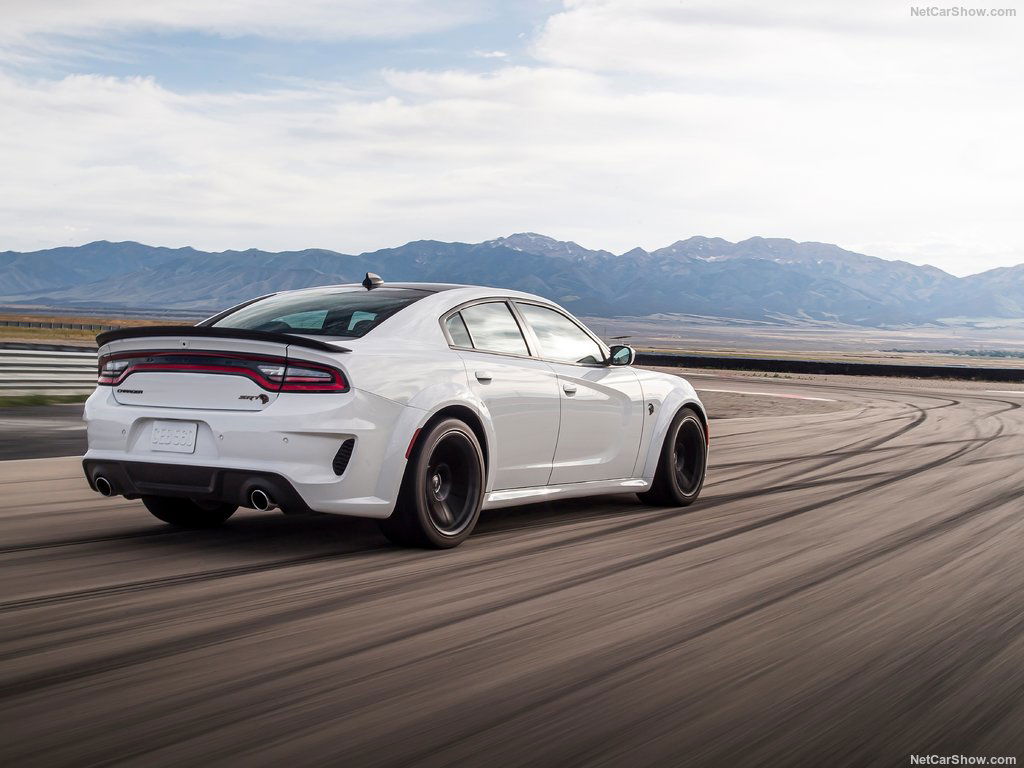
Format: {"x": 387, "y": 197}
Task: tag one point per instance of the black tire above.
{"x": 683, "y": 463}
{"x": 185, "y": 513}
{"x": 442, "y": 491}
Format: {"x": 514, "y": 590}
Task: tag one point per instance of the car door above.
{"x": 521, "y": 392}
{"x": 602, "y": 411}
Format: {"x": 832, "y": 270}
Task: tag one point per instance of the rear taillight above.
{"x": 110, "y": 370}
{"x": 271, "y": 373}
{"x": 305, "y": 377}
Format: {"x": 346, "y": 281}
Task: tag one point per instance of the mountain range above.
{"x": 756, "y": 279}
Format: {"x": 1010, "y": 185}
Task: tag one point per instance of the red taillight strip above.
{"x": 309, "y": 384}
{"x": 150, "y": 362}
{"x": 230, "y": 370}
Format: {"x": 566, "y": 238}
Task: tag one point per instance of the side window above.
{"x": 457, "y": 331}
{"x": 494, "y": 329}
{"x": 559, "y": 337}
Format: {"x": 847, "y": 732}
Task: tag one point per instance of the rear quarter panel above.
{"x": 425, "y": 382}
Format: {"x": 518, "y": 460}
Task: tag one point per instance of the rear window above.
{"x": 351, "y": 313}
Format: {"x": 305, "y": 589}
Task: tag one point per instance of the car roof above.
{"x": 465, "y": 292}
{"x": 431, "y": 287}
{"x": 418, "y": 323}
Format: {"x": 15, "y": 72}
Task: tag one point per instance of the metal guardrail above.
{"x": 55, "y": 324}
{"x": 826, "y": 367}
{"x": 47, "y": 371}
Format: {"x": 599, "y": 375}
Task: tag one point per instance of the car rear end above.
{"x": 242, "y": 416}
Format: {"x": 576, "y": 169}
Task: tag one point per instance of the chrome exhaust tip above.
{"x": 103, "y": 486}
{"x": 261, "y": 500}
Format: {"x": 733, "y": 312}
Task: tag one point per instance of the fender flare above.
{"x": 471, "y": 410}
{"x": 670, "y": 406}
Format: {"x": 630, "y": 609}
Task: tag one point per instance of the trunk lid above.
{"x": 219, "y": 381}
{"x": 202, "y": 368}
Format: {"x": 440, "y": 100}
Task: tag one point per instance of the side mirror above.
{"x": 620, "y": 354}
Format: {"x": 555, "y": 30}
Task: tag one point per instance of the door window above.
{"x": 494, "y": 329}
{"x": 559, "y": 337}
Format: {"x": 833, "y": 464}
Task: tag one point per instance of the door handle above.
{"x": 569, "y": 389}
{"x": 483, "y": 376}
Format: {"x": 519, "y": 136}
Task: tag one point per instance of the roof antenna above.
{"x": 372, "y": 281}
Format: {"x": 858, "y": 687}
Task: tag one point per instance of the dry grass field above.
{"x": 64, "y": 335}
{"x": 977, "y": 343}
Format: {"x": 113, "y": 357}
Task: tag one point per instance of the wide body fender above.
{"x": 667, "y": 394}
{"x": 448, "y": 389}
{"x": 455, "y": 394}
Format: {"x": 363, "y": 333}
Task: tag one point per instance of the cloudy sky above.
{"x": 360, "y": 124}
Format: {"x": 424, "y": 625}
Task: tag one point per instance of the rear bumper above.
{"x": 291, "y": 445}
{"x": 232, "y": 486}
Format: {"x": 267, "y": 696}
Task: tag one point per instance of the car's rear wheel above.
{"x": 442, "y": 491}
{"x": 681, "y": 468}
{"x": 186, "y": 513}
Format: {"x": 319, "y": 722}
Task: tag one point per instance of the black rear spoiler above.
{"x": 206, "y": 332}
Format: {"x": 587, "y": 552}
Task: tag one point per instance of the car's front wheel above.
{"x": 681, "y": 468}
{"x": 186, "y": 513}
{"x": 442, "y": 491}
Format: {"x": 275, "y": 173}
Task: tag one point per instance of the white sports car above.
{"x": 416, "y": 404}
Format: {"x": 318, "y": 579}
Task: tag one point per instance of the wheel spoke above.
{"x": 451, "y": 483}
{"x": 447, "y": 519}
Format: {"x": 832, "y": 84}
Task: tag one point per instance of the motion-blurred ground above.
{"x": 848, "y": 591}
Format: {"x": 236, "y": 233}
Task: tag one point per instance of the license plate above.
{"x": 176, "y": 436}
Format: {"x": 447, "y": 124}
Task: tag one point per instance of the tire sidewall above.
{"x": 668, "y": 455}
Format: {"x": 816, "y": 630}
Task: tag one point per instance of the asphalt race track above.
{"x": 849, "y": 591}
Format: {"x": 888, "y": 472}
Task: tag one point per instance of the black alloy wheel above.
{"x": 682, "y": 465}
{"x": 690, "y": 456}
{"x": 452, "y": 482}
{"x": 442, "y": 491}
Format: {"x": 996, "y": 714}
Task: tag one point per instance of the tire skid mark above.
{"x": 995, "y": 641}
{"x": 303, "y": 560}
{"x": 76, "y": 476}
{"x": 245, "y": 570}
{"x": 122, "y": 660}
{"x": 984, "y": 440}
{"x": 917, "y": 419}
{"x": 198, "y": 727}
{"x": 295, "y": 701}
{"x": 34, "y": 546}
{"x": 845, "y": 453}
{"x": 176, "y": 580}
{"x": 710, "y": 503}
{"x": 793, "y": 587}
{"x": 973, "y": 444}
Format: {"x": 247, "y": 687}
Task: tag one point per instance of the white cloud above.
{"x": 637, "y": 123}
